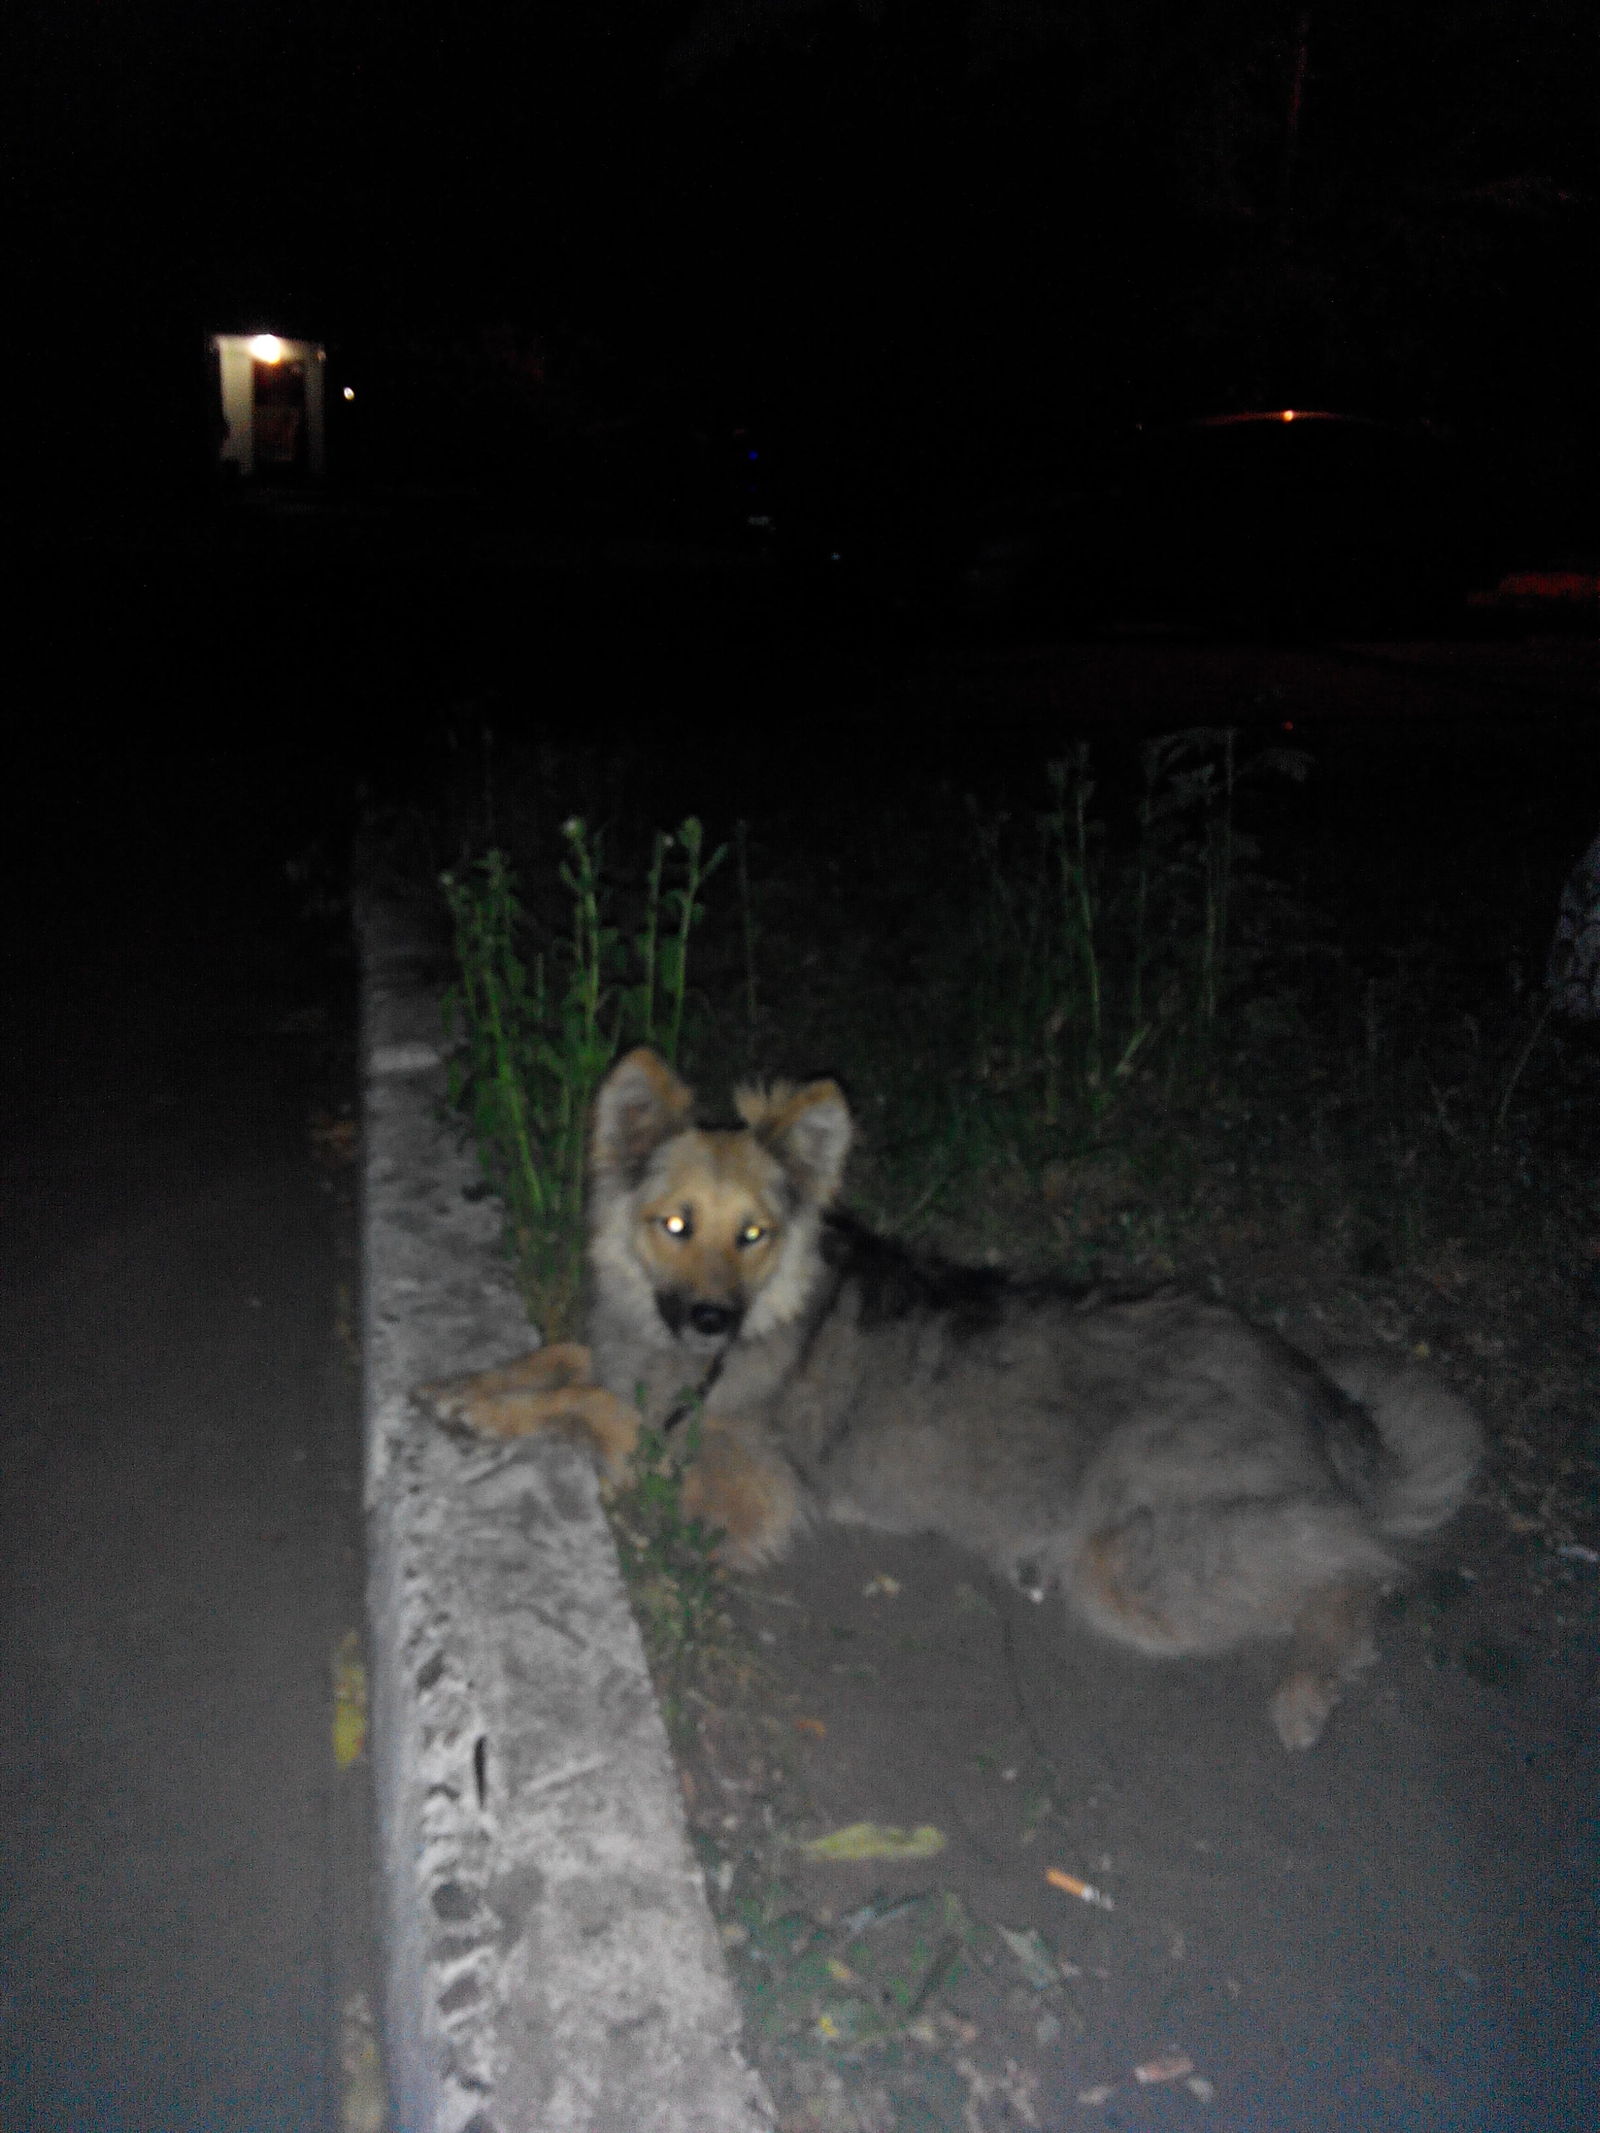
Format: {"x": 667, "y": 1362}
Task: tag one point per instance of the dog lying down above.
{"x": 1183, "y": 1480}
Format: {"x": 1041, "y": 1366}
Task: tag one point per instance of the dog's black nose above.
{"x": 711, "y": 1318}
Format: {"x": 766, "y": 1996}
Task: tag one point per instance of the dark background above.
{"x": 955, "y": 239}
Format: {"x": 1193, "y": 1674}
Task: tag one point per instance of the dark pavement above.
{"x": 184, "y": 1885}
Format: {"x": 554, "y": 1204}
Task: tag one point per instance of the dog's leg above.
{"x": 549, "y": 1391}
{"x": 1111, "y": 1587}
{"x": 1333, "y": 1642}
{"x": 547, "y": 1369}
{"x": 587, "y": 1414}
{"x": 748, "y": 1494}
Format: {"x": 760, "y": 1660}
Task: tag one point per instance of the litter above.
{"x": 874, "y": 1840}
{"x": 1081, "y": 1889}
{"x": 349, "y": 1702}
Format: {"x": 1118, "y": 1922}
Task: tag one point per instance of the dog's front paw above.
{"x": 746, "y": 1495}
{"x": 465, "y": 1409}
{"x": 454, "y": 1405}
{"x": 484, "y": 1402}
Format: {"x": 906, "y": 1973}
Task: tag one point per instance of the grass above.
{"x": 539, "y": 1017}
{"x": 1012, "y": 993}
{"x": 1102, "y": 994}
{"x": 1075, "y": 969}
{"x": 1096, "y": 962}
{"x": 674, "y": 1581}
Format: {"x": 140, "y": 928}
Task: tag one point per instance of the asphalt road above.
{"x": 183, "y": 1883}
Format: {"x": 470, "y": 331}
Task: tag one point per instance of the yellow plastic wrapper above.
{"x": 349, "y": 1702}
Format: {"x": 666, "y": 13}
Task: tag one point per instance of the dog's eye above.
{"x": 675, "y": 1225}
{"x": 752, "y": 1233}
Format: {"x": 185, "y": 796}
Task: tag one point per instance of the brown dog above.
{"x": 1184, "y": 1480}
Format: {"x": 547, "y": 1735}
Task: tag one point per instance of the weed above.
{"x": 847, "y": 1985}
{"x": 1062, "y": 975}
{"x": 674, "y": 1580}
{"x": 747, "y": 927}
{"x": 539, "y": 1026}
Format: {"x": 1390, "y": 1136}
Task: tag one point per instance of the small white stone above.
{"x": 407, "y": 1058}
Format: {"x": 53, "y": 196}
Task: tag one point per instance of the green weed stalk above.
{"x": 537, "y": 1029}
{"x": 747, "y": 930}
{"x": 683, "y": 902}
{"x": 669, "y": 1565}
{"x": 1095, "y": 954}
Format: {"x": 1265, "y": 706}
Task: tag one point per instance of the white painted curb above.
{"x": 551, "y": 1963}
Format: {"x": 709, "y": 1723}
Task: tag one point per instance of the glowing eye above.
{"x": 675, "y": 1225}
{"x": 752, "y": 1233}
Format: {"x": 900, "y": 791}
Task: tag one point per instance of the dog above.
{"x": 1184, "y": 1481}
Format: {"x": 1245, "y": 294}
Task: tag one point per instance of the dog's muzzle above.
{"x": 708, "y": 1321}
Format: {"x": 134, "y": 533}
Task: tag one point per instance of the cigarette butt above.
{"x": 1081, "y": 1889}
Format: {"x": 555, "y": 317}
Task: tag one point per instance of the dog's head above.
{"x": 720, "y": 1223}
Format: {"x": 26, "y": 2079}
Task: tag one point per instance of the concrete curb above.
{"x": 551, "y": 1963}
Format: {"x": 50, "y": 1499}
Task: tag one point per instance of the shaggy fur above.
{"x": 1183, "y": 1480}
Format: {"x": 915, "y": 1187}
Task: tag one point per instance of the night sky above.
{"x": 1001, "y": 219}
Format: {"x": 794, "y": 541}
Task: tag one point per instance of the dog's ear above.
{"x": 808, "y": 1129}
{"x": 640, "y": 1104}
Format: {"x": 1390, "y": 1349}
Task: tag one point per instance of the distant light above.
{"x": 752, "y": 455}
{"x": 349, "y": 392}
{"x": 267, "y": 348}
{"x": 1288, "y": 414}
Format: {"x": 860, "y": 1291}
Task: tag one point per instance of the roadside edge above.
{"x": 551, "y": 1962}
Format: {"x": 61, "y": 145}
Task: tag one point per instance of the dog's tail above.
{"x": 1435, "y": 1439}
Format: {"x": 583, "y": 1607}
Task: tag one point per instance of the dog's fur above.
{"x": 1186, "y": 1481}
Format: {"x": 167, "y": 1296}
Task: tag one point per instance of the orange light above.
{"x": 1288, "y": 414}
